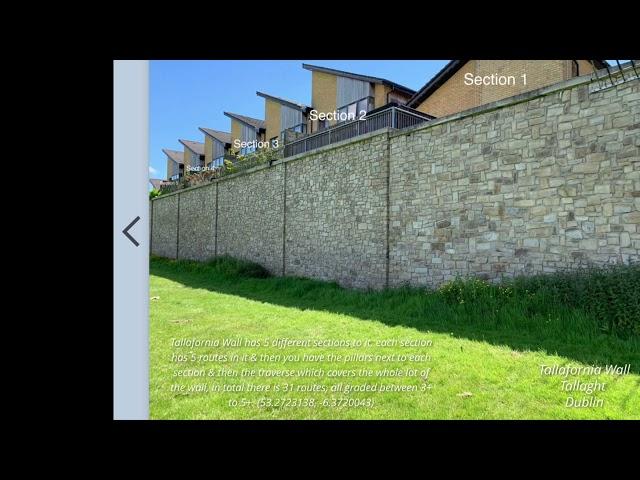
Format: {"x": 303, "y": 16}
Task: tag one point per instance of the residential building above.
{"x": 465, "y": 84}
{"x": 350, "y": 94}
{"x": 285, "y": 119}
{"x": 193, "y": 155}
{"x": 175, "y": 164}
{"x": 217, "y": 147}
{"x": 246, "y": 133}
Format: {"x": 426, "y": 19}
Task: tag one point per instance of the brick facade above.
{"x": 454, "y": 96}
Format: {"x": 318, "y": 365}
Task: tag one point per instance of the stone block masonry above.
{"x": 544, "y": 181}
{"x": 336, "y": 214}
{"x": 164, "y": 223}
{"x": 197, "y": 234}
{"x": 546, "y": 184}
{"x": 250, "y": 217}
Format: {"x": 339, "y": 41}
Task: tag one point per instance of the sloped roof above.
{"x": 357, "y": 76}
{"x": 156, "y": 182}
{"x": 284, "y": 101}
{"x": 436, "y": 82}
{"x": 254, "y": 122}
{"x": 174, "y": 155}
{"x": 223, "y": 137}
{"x": 195, "y": 147}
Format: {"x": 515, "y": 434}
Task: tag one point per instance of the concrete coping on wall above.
{"x": 486, "y": 108}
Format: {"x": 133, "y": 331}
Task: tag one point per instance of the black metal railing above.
{"x": 391, "y": 117}
{"x": 610, "y": 76}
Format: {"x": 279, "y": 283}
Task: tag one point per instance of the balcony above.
{"x": 390, "y": 116}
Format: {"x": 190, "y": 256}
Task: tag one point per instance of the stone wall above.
{"x": 544, "y": 181}
{"x": 250, "y": 217}
{"x": 336, "y": 214}
{"x": 534, "y": 187}
{"x": 164, "y": 233}
{"x": 197, "y": 234}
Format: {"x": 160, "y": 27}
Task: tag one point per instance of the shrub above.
{"x": 475, "y": 293}
{"x": 153, "y": 193}
{"x": 170, "y": 187}
{"x": 464, "y": 291}
{"x": 229, "y": 168}
{"x": 610, "y": 294}
{"x": 244, "y": 162}
{"x": 234, "y": 267}
{"x": 199, "y": 178}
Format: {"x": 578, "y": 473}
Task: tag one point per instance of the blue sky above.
{"x": 185, "y": 95}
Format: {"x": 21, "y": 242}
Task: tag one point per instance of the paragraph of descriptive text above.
{"x": 308, "y": 373}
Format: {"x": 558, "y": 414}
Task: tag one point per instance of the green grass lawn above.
{"x": 484, "y": 359}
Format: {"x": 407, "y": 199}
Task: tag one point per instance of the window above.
{"x": 300, "y": 128}
{"x": 354, "y": 110}
{"x": 323, "y": 125}
{"x": 364, "y": 105}
{"x": 216, "y": 162}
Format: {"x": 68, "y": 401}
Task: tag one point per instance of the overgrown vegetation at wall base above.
{"x": 489, "y": 343}
{"x": 610, "y": 294}
{"x": 607, "y": 296}
{"x": 231, "y": 267}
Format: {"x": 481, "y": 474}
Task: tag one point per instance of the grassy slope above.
{"x": 494, "y": 355}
